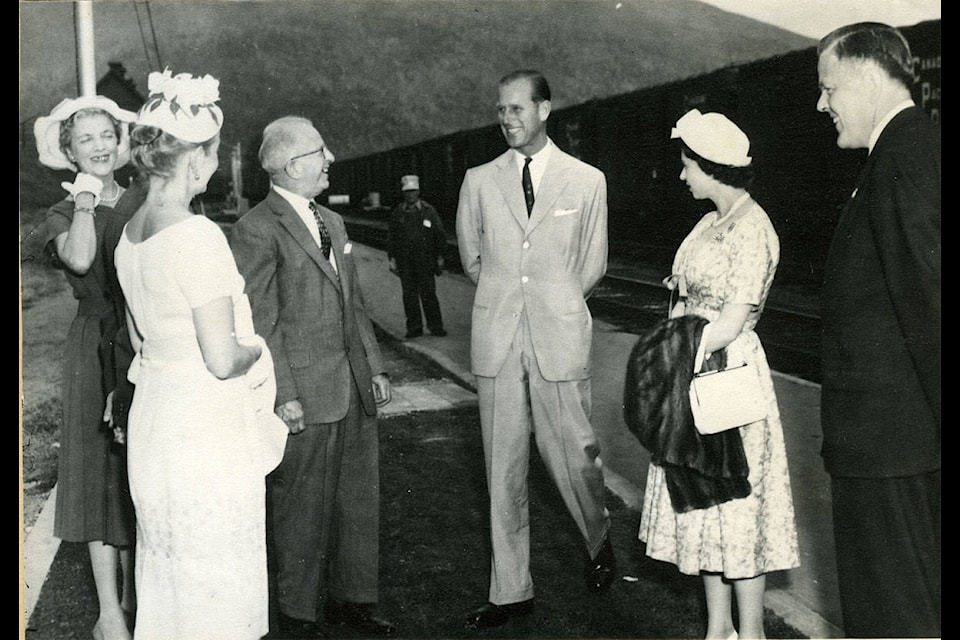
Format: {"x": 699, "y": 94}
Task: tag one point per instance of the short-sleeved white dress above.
{"x": 731, "y": 262}
{"x": 196, "y": 451}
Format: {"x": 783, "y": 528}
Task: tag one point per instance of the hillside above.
{"x": 376, "y": 74}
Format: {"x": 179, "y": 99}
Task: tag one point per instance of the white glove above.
{"x": 84, "y": 182}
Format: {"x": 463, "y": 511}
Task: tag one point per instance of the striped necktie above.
{"x": 325, "y": 243}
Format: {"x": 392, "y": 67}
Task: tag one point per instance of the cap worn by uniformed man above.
{"x": 714, "y": 137}
{"x": 410, "y": 183}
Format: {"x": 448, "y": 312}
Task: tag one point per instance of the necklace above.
{"x": 115, "y": 191}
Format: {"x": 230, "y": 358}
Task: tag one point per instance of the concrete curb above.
{"x": 39, "y": 549}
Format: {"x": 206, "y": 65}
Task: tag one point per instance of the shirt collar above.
{"x": 539, "y": 165}
{"x": 877, "y": 130}
{"x": 301, "y": 206}
{"x": 541, "y": 157}
{"x": 298, "y": 202}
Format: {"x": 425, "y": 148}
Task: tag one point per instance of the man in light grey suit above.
{"x": 532, "y": 233}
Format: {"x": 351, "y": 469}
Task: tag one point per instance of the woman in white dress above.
{"x": 724, "y": 269}
{"x": 200, "y": 440}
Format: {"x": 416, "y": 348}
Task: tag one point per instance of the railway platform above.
{"x": 807, "y": 597}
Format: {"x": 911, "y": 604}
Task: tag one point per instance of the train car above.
{"x": 803, "y": 179}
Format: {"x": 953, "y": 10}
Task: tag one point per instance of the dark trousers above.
{"x": 419, "y": 287}
{"x": 887, "y": 533}
{"x": 325, "y": 514}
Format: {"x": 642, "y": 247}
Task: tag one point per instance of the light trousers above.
{"x": 514, "y": 404}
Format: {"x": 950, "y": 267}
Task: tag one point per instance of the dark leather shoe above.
{"x": 360, "y": 617}
{"x": 494, "y": 615}
{"x": 288, "y": 627}
{"x": 600, "y": 571}
{"x": 413, "y": 334}
{"x": 438, "y": 332}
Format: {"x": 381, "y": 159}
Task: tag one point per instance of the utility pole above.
{"x": 236, "y": 167}
{"x": 85, "y": 48}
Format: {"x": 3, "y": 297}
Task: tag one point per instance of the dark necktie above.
{"x": 527, "y": 186}
{"x": 325, "y": 243}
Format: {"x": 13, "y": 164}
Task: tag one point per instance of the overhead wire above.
{"x": 143, "y": 35}
{"x": 153, "y": 34}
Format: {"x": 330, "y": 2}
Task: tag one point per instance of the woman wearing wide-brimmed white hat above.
{"x": 88, "y": 135}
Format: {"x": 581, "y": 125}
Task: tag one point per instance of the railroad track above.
{"x": 631, "y": 298}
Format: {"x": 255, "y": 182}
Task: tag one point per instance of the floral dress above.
{"x": 731, "y": 262}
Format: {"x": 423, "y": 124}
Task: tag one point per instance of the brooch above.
{"x": 720, "y": 235}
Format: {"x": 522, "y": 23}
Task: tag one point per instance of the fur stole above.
{"x": 701, "y": 470}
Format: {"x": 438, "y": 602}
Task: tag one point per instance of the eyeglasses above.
{"x": 321, "y": 150}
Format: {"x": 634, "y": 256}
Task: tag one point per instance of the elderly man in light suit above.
{"x": 534, "y": 240}
{"x": 304, "y": 290}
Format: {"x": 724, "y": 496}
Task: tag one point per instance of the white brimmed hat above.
{"x": 714, "y": 137}
{"x": 183, "y": 106}
{"x": 46, "y": 130}
{"x": 410, "y": 183}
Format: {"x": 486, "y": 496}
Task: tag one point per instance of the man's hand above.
{"x": 393, "y": 266}
{"x": 381, "y": 389}
{"x": 292, "y": 414}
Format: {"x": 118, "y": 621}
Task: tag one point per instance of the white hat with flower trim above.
{"x": 183, "y": 106}
{"x": 714, "y": 137}
{"x": 46, "y": 130}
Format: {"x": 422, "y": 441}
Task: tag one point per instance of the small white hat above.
{"x": 714, "y": 137}
{"x": 183, "y": 106}
{"x": 410, "y": 183}
{"x": 46, "y": 130}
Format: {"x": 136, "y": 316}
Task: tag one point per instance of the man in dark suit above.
{"x": 303, "y": 287}
{"x": 415, "y": 251}
{"x": 881, "y": 330}
{"x": 532, "y": 234}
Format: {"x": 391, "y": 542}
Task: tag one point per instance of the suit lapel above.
{"x": 302, "y": 236}
{"x": 508, "y": 179}
{"x": 551, "y": 186}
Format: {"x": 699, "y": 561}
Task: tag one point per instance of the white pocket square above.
{"x": 348, "y": 248}
{"x": 564, "y": 212}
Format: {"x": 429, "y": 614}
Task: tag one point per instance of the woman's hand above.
{"x": 119, "y": 433}
{"x": 77, "y": 248}
{"x": 728, "y": 326}
{"x": 85, "y": 190}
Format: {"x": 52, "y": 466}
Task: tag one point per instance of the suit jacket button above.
{"x": 524, "y": 279}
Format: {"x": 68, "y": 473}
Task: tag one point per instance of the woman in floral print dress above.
{"x": 724, "y": 269}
